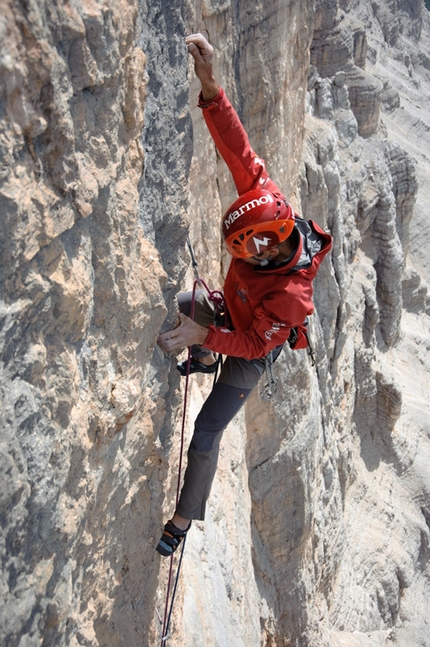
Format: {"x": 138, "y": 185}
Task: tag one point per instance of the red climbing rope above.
{"x": 217, "y": 297}
{"x": 167, "y": 610}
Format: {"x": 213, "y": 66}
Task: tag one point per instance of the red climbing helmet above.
{"x": 255, "y": 222}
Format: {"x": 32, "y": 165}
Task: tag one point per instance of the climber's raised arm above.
{"x": 247, "y": 168}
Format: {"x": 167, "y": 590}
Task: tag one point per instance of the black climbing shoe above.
{"x": 196, "y": 367}
{"x": 170, "y": 539}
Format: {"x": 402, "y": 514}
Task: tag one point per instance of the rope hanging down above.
{"x": 217, "y": 297}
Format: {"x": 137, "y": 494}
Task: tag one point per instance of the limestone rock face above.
{"x": 317, "y": 531}
{"x": 83, "y": 414}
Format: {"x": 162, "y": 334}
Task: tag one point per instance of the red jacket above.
{"x": 263, "y": 303}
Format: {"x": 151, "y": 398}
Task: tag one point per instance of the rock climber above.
{"x": 268, "y": 293}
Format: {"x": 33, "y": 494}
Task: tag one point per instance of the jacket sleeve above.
{"x": 248, "y": 170}
{"x": 249, "y": 344}
{"x": 271, "y": 325}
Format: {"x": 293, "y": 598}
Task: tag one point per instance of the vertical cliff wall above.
{"x": 318, "y": 524}
{"x": 87, "y": 404}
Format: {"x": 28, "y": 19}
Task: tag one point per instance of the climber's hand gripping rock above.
{"x": 203, "y": 52}
{"x": 186, "y": 334}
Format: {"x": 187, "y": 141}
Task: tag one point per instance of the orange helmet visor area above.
{"x": 256, "y": 239}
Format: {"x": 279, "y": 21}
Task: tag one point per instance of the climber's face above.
{"x": 264, "y": 257}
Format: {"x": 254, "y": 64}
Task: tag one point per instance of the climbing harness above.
{"x": 217, "y": 298}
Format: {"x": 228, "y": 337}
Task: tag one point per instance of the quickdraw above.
{"x": 271, "y": 385}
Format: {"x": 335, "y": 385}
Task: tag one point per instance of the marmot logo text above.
{"x": 276, "y": 327}
{"x": 234, "y": 215}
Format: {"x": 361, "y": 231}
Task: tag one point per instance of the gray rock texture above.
{"x": 317, "y": 533}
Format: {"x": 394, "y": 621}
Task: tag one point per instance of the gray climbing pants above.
{"x": 237, "y": 379}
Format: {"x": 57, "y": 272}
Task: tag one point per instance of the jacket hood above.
{"x": 311, "y": 240}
